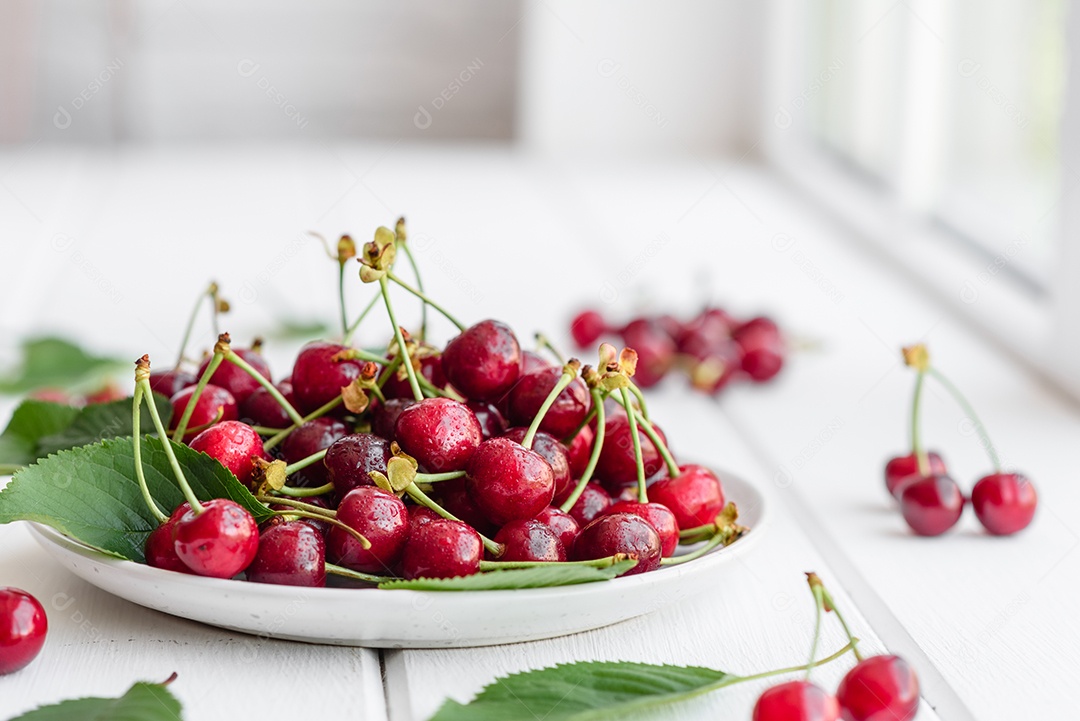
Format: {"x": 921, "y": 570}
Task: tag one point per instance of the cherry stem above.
{"x": 669, "y": 460}
{"x": 356, "y": 575}
{"x": 317, "y": 413}
{"x": 819, "y": 603}
{"x": 716, "y": 540}
{"x": 191, "y": 325}
{"x": 542, "y": 343}
{"x": 495, "y": 549}
{"x": 565, "y": 379}
{"x": 204, "y": 380}
{"x": 428, "y": 301}
{"x": 333, "y": 521}
{"x": 136, "y": 438}
{"x": 436, "y": 477}
{"x": 403, "y": 349}
{"x": 594, "y": 457}
{"x": 921, "y": 458}
{"x": 237, "y": 360}
{"x": 709, "y": 528}
{"x": 966, "y": 406}
{"x": 299, "y": 505}
{"x": 358, "y": 354}
{"x": 640, "y": 399}
{"x": 341, "y": 299}
{"x": 853, "y": 642}
{"x": 359, "y": 319}
{"x": 305, "y": 462}
{"x": 631, "y": 415}
{"x": 215, "y": 307}
{"x": 185, "y": 487}
{"x": 419, "y": 286}
{"x": 304, "y": 492}
{"x": 584, "y": 421}
{"x": 605, "y": 562}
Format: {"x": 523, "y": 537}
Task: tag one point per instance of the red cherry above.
{"x": 695, "y": 496}
{"x": 551, "y": 451}
{"x": 659, "y": 517}
{"x": 234, "y": 380}
{"x": 565, "y": 527}
{"x": 1004, "y": 502}
{"x": 762, "y": 346}
{"x": 23, "y": 625}
{"x": 931, "y": 505}
{"x": 220, "y": 542}
{"x": 617, "y": 465}
{"x": 704, "y": 332}
{"x": 160, "y": 548}
{"x": 378, "y": 516}
{"x": 170, "y": 382}
{"x": 317, "y": 378}
{"x": 262, "y": 409}
{"x": 212, "y": 403}
{"x": 483, "y": 361}
{"x": 310, "y": 438}
{"x": 656, "y": 351}
{"x": 508, "y": 482}
{"x": 440, "y": 433}
{"x": 235, "y": 445}
{"x": 579, "y": 450}
{"x": 442, "y": 549}
{"x": 384, "y": 417}
{"x": 419, "y": 515}
{"x": 900, "y": 469}
{"x": 290, "y": 554}
{"x": 620, "y": 533}
{"x": 397, "y": 385}
{"x": 564, "y": 415}
{"x": 590, "y": 504}
{"x": 796, "y": 701}
{"x": 455, "y": 499}
{"x": 587, "y": 327}
{"x": 351, "y": 458}
{"x": 880, "y": 688}
{"x": 530, "y": 540}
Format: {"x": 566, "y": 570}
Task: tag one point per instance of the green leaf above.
{"x": 92, "y": 495}
{"x": 55, "y": 363}
{"x": 100, "y": 421}
{"x": 30, "y": 422}
{"x": 142, "y": 702}
{"x": 579, "y": 691}
{"x": 536, "y": 577}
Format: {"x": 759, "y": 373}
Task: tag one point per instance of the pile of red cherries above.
{"x": 713, "y": 348}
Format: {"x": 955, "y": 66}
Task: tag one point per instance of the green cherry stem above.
{"x": 317, "y": 413}
{"x": 185, "y": 487}
{"x": 604, "y": 562}
{"x": 298, "y": 505}
{"x": 544, "y": 343}
{"x": 358, "y": 354}
{"x": 332, "y": 520}
{"x": 359, "y": 319}
{"x": 341, "y": 299}
{"x": 204, "y": 380}
{"x": 646, "y": 425}
{"x": 136, "y": 438}
{"x": 495, "y": 549}
{"x": 191, "y": 324}
{"x": 594, "y": 457}
{"x": 235, "y": 358}
{"x": 968, "y": 409}
{"x": 568, "y": 375}
{"x": 716, "y": 540}
{"x": 428, "y": 301}
{"x": 356, "y": 575}
{"x": 830, "y": 604}
{"x": 436, "y": 477}
{"x": 819, "y": 603}
{"x": 419, "y": 286}
{"x": 403, "y": 349}
{"x": 631, "y": 415}
{"x": 305, "y": 462}
{"x": 916, "y": 436}
{"x": 304, "y": 492}
{"x": 640, "y": 399}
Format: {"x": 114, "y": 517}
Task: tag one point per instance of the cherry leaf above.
{"x": 142, "y": 702}
{"x": 536, "y": 577}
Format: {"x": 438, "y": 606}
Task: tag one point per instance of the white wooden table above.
{"x": 111, "y": 248}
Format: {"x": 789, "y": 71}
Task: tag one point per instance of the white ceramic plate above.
{"x": 405, "y": 619}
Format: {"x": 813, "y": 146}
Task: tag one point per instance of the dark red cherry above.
{"x": 591, "y": 503}
{"x": 564, "y": 415}
{"x": 796, "y": 701}
{"x": 656, "y": 351}
{"x": 307, "y": 440}
{"x": 579, "y": 450}
{"x": 455, "y": 499}
{"x": 508, "y": 482}
{"x": 530, "y": 540}
{"x": 220, "y": 542}
{"x": 695, "y": 496}
{"x": 586, "y": 328}
{"x": 160, "y": 549}
{"x": 620, "y": 533}
{"x": 1004, "y": 502}
{"x": 351, "y": 458}
{"x": 563, "y": 524}
{"x": 214, "y": 404}
{"x": 483, "y": 361}
{"x": 904, "y": 468}
{"x": 290, "y": 554}
{"x": 234, "y": 380}
{"x": 617, "y": 465}
{"x": 235, "y": 445}
{"x": 317, "y": 378}
{"x": 384, "y": 417}
{"x": 419, "y": 515}
{"x": 262, "y": 409}
{"x": 23, "y": 626}
{"x": 378, "y": 516}
{"x": 440, "y": 433}
{"x": 879, "y": 688}
{"x": 931, "y": 505}
{"x": 551, "y": 451}
{"x": 442, "y": 549}
{"x": 397, "y": 385}
{"x": 491, "y": 421}
{"x": 170, "y": 382}
{"x": 762, "y": 346}
{"x": 659, "y": 517}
